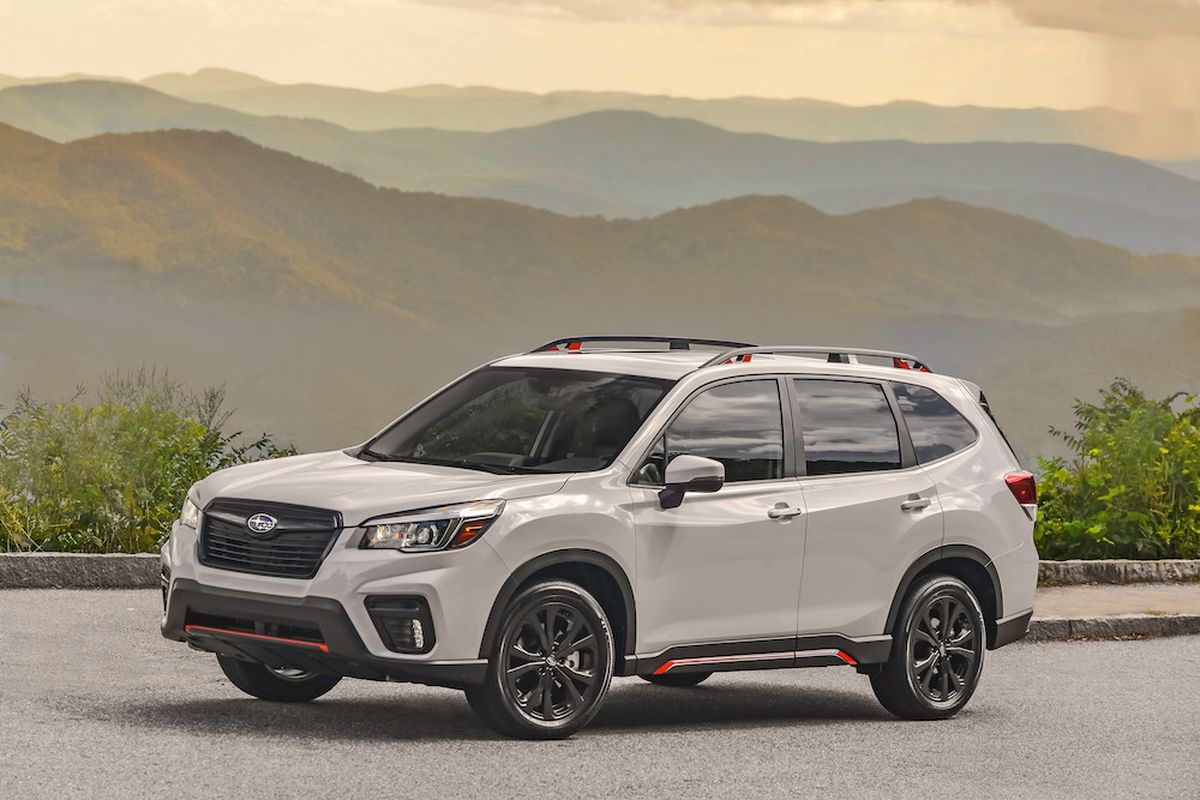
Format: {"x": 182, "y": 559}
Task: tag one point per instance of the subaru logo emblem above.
{"x": 261, "y": 524}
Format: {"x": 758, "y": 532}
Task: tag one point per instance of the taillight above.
{"x": 1023, "y": 487}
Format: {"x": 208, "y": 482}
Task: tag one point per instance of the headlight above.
{"x": 434, "y": 529}
{"x": 190, "y": 514}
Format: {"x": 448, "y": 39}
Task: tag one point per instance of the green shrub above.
{"x": 111, "y": 475}
{"x": 1132, "y": 489}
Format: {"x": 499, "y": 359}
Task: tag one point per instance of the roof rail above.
{"x": 836, "y": 355}
{"x": 575, "y": 343}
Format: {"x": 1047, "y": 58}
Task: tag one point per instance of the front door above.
{"x": 725, "y": 566}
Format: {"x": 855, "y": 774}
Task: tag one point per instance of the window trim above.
{"x": 908, "y": 459}
{"x": 961, "y": 415}
{"x": 786, "y": 418}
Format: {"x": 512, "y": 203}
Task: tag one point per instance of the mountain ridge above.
{"x": 329, "y": 304}
{"x": 1176, "y": 133}
{"x": 153, "y": 201}
{"x": 636, "y": 164}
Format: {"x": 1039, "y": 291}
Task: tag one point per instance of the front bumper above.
{"x": 334, "y": 646}
{"x": 459, "y": 588}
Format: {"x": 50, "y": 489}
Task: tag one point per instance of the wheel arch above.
{"x": 970, "y": 565}
{"x": 594, "y": 571}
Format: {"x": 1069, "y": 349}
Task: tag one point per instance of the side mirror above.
{"x": 690, "y": 474}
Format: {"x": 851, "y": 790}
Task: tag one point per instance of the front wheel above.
{"x": 937, "y": 651}
{"x": 280, "y": 685}
{"x": 551, "y": 665}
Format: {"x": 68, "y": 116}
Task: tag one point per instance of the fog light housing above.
{"x": 164, "y": 583}
{"x": 403, "y": 623}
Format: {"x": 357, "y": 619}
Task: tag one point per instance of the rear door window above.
{"x": 847, "y": 426}
{"x": 935, "y": 426}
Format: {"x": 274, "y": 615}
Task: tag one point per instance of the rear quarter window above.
{"x": 934, "y": 425}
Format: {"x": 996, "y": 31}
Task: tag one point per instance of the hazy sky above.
{"x": 1064, "y": 53}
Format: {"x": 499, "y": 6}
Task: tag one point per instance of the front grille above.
{"x": 294, "y": 549}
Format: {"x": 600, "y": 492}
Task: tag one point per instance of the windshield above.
{"x": 515, "y": 419}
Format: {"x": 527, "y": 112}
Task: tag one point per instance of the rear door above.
{"x": 725, "y": 566}
{"x": 871, "y": 510}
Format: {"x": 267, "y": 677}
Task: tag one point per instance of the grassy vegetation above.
{"x": 109, "y": 473}
{"x": 1132, "y": 488}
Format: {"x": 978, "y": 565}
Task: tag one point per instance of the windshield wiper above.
{"x": 494, "y": 469}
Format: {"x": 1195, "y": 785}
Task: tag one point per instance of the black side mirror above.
{"x": 690, "y": 474}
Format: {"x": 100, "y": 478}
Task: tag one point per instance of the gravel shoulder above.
{"x": 1153, "y": 599}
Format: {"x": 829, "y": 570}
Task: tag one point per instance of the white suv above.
{"x": 624, "y": 506}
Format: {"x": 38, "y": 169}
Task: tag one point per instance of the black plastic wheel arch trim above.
{"x": 557, "y": 558}
{"x": 942, "y": 553}
{"x": 347, "y": 655}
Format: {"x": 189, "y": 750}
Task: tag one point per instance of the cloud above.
{"x": 1111, "y": 17}
{"x": 1114, "y": 18}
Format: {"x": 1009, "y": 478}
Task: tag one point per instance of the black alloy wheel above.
{"x": 551, "y": 662}
{"x": 552, "y": 666}
{"x": 941, "y": 649}
{"x": 937, "y": 651}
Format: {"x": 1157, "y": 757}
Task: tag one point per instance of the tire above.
{"x": 679, "y": 680}
{"x": 551, "y": 665}
{"x": 933, "y": 670}
{"x": 280, "y": 686}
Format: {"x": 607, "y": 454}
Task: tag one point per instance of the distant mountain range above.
{"x": 634, "y": 164}
{"x": 329, "y": 303}
{"x": 1188, "y": 169}
{"x": 1171, "y": 134}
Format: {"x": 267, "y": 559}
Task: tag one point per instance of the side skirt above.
{"x": 784, "y": 653}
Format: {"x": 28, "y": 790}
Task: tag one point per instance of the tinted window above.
{"x": 739, "y": 424}
{"x": 848, "y": 427}
{"x": 524, "y": 420}
{"x": 936, "y": 428}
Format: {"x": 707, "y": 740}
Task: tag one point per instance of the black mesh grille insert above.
{"x": 294, "y": 549}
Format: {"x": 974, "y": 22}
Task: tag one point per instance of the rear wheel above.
{"x": 281, "y": 685}
{"x": 678, "y": 680}
{"x": 551, "y": 666}
{"x": 937, "y": 651}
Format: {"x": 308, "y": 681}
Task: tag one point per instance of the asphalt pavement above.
{"x": 93, "y": 703}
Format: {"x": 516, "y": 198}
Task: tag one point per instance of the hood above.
{"x": 364, "y": 489}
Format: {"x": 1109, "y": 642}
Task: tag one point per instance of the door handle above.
{"x": 784, "y": 512}
{"x": 915, "y": 503}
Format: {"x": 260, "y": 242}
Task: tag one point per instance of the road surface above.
{"x": 93, "y": 703}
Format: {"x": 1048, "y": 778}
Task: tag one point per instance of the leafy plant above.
{"x": 1132, "y": 489}
{"x": 111, "y": 475}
